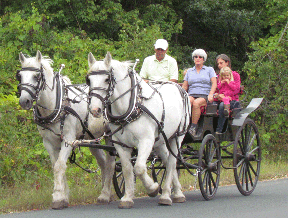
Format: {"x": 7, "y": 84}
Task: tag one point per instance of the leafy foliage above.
{"x": 67, "y": 30}
{"x": 267, "y": 77}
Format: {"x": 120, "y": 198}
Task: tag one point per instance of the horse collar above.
{"x": 133, "y": 112}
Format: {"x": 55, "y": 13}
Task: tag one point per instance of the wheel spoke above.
{"x": 213, "y": 154}
{"x": 248, "y": 130}
{"x": 241, "y": 144}
{"x": 212, "y": 179}
{"x": 240, "y": 162}
{"x": 241, "y": 173}
{"x": 251, "y": 167}
{"x": 256, "y": 148}
{"x": 210, "y": 185}
{"x": 250, "y": 176}
{"x": 251, "y": 142}
{"x": 246, "y": 177}
{"x": 205, "y": 181}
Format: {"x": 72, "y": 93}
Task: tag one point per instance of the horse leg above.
{"x": 178, "y": 196}
{"x": 107, "y": 165}
{"x": 140, "y": 168}
{"x": 61, "y": 190}
{"x": 171, "y": 174}
{"x": 127, "y": 169}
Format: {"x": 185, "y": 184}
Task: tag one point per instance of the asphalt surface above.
{"x": 270, "y": 199}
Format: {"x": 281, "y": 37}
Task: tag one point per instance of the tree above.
{"x": 267, "y": 77}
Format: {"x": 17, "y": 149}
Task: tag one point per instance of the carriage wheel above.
{"x": 209, "y": 163}
{"x": 158, "y": 172}
{"x": 247, "y": 157}
{"x": 118, "y": 179}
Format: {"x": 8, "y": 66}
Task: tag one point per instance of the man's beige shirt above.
{"x": 164, "y": 70}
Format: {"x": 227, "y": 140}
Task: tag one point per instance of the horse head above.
{"x": 31, "y": 78}
{"x": 101, "y": 82}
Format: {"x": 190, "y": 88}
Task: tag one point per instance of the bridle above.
{"x": 109, "y": 91}
{"x": 28, "y": 86}
{"x": 135, "y": 90}
{"x": 41, "y": 85}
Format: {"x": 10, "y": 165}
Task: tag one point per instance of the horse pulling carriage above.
{"x": 148, "y": 129}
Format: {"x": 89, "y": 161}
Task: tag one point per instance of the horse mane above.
{"x": 45, "y": 61}
{"x": 124, "y": 65}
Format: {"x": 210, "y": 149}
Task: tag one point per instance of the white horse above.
{"x": 129, "y": 103}
{"x": 39, "y": 83}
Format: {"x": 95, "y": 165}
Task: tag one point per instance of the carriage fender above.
{"x": 242, "y": 115}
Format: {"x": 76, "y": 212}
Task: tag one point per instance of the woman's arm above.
{"x": 213, "y": 89}
{"x": 185, "y": 85}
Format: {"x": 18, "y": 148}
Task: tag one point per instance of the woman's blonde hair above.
{"x": 226, "y": 70}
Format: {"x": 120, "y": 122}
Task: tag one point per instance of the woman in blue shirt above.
{"x": 200, "y": 83}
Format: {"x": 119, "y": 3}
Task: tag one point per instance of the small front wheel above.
{"x": 118, "y": 180}
{"x": 209, "y": 165}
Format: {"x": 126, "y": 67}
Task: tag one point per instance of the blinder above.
{"x": 111, "y": 82}
{"x": 24, "y": 86}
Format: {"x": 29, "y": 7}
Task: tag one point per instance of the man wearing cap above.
{"x": 160, "y": 66}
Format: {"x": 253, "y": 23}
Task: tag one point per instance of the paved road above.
{"x": 270, "y": 199}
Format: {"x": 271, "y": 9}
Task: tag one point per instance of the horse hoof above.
{"x": 165, "y": 202}
{"x": 125, "y": 204}
{"x": 179, "y": 199}
{"x": 155, "y": 193}
{"x": 59, "y": 205}
{"x": 102, "y": 201}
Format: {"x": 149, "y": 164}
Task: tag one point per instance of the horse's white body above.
{"x": 142, "y": 132}
{"x": 59, "y": 153}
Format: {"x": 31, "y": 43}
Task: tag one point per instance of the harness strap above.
{"x": 55, "y": 112}
{"x": 145, "y": 110}
{"x": 73, "y": 112}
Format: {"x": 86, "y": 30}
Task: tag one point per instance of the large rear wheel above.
{"x": 247, "y": 157}
{"x": 209, "y": 164}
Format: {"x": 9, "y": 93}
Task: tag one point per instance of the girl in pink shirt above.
{"x": 226, "y": 87}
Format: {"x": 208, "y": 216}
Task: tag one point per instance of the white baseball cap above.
{"x": 161, "y": 43}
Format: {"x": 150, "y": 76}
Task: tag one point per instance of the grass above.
{"x": 85, "y": 187}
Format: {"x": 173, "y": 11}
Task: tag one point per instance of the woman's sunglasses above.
{"x": 197, "y": 57}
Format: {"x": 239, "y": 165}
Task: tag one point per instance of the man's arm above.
{"x": 144, "y": 69}
{"x": 173, "y": 71}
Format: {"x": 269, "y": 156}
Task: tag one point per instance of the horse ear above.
{"x": 38, "y": 56}
{"x": 91, "y": 60}
{"x": 21, "y": 57}
{"x": 108, "y": 59}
